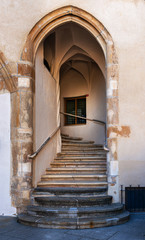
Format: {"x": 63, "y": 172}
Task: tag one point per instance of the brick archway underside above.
{"x": 22, "y": 106}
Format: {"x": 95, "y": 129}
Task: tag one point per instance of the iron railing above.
{"x": 91, "y": 120}
{"x": 33, "y": 155}
{"x": 134, "y": 198}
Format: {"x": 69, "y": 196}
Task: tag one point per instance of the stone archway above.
{"x": 22, "y": 101}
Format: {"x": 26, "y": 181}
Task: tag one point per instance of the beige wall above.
{"x": 45, "y": 110}
{"x": 125, "y": 21}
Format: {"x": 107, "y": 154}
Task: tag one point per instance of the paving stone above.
{"x": 93, "y": 234}
{"x": 132, "y": 230}
{"x": 2, "y": 237}
{"x": 54, "y": 236}
{"x": 127, "y": 236}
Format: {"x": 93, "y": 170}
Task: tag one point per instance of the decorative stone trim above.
{"x": 59, "y": 16}
{"x": 5, "y": 71}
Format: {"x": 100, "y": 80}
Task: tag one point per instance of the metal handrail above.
{"x": 33, "y": 155}
{"x": 44, "y": 143}
{"x": 92, "y": 120}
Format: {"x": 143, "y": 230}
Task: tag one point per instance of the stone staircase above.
{"x": 73, "y": 192}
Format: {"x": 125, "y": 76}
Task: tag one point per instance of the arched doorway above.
{"x": 104, "y": 42}
{"x": 82, "y": 83}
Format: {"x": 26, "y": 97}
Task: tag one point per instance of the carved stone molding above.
{"x": 5, "y": 71}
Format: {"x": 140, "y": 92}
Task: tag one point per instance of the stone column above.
{"x": 21, "y": 135}
{"x": 112, "y": 120}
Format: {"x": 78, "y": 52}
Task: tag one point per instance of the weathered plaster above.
{"x": 120, "y": 131}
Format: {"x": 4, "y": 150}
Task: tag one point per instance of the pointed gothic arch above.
{"x": 24, "y": 129}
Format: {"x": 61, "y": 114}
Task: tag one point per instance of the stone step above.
{"x": 76, "y": 170}
{"x": 34, "y": 195}
{"x": 65, "y": 177}
{"x": 78, "y": 184}
{"x": 73, "y": 201}
{"x": 82, "y": 149}
{"x": 81, "y": 145}
{"x": 73, "y": 192}
{"x": 89, "y": 158}
{"x": 80, "y": 212}
{"x": 64, "y": 137}
{"x": 79, "y": 154}
{"x": 81, "y": 159}
{"x": 70, "y": 191}
{"x": 77, "y": 141}
{"x": 78, "y": 164}
{"x": 73, "y": 223}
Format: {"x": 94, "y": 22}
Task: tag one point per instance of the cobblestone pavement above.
{"x": 132, "y": 230}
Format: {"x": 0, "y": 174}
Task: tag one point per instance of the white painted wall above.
{"x": 5, "y": 156}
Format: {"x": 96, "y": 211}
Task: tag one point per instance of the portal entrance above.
{"x": 79, "y": 61}
{"x": 74, "y": 57}
{"x": 69, "y": 79}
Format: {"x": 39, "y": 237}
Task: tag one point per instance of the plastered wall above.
{"x": 45, "y": 109}
{"x": 5, "y": 154}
